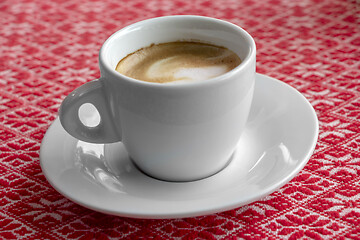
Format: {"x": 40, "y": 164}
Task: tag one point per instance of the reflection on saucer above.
{"x": 89, "y": 158}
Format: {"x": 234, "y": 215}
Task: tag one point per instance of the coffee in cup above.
{"x": 178, "y": 61}
{"x": 173, "y": 132}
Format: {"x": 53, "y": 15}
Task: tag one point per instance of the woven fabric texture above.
{"x": 48, "y": 48}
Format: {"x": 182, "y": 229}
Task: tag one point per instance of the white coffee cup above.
{"x": 174, "y": 132}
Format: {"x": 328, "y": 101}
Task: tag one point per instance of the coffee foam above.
{"x": 178, "y": 61}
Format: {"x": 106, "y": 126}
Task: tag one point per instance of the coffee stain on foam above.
{"x": 160, "y": 70}
{"x": 202, "y": 73}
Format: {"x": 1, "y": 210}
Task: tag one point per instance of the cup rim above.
{"x": 244, "y": 62}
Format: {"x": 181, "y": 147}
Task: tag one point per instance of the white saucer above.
{"x": 279, "y": 139}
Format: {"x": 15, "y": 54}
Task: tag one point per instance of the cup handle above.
{"x": 92, "y": 92}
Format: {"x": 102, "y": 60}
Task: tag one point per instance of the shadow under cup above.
{"x": 186, "y": 131}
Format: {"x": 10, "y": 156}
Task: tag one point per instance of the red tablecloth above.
{"x": 47, "y": 48}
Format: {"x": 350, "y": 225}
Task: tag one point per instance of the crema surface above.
{"x": 178, "y": 61}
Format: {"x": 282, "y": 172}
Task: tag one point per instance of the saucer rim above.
{"x": 177, "y": 212}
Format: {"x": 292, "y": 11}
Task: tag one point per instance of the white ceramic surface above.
{"x": 277, "y": 142}
{"x": 164, "y": 127}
